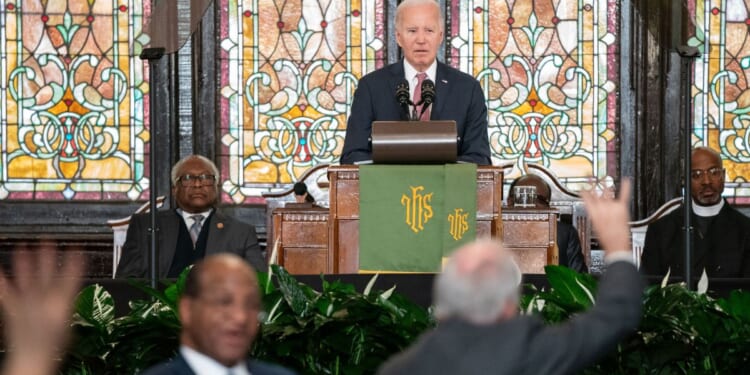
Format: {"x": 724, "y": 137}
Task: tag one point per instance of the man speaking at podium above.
{"x": 435, "y": 90}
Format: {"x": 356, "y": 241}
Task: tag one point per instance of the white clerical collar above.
{"x": 202, "y": 364}
{"x": 707, "y": 211}
{"x": 411, "y": 75}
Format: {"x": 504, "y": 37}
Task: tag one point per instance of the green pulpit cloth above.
{"x": 411, "y": 217}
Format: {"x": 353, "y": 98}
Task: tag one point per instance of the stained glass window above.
{"x": 289, "y": 71}
{"x": 549, "y": 71}
{"x": 74, "y": 105}
{"x": 721, "y": 100}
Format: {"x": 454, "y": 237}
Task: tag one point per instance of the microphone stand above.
{"x": 153, "y": 55}
{"x": 688, "y": 56}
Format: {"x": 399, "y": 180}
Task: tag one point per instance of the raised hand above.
{"x": 610, "y": 216}
{"x": 36, "y": 308}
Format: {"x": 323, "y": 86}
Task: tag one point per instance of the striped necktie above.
{"x": 195, "y": 229}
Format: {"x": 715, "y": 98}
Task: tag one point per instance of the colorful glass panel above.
{"x": 721, "y": 93}
{"x": 75, "y": 100}
{"x": 549, "y": 72}
{"x": 289, "y": 71}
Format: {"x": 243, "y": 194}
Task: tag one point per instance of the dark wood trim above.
{"x": 205, "y": 85}
{"x": 626, "y": 106}
{"x": 651, "y": 101}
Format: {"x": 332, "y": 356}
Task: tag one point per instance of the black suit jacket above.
{"x": 458, "y": 97}
{"x": 569, "y": 247}
{"x": 178, "y": 366}
{"x": 525, "y": 345}
{"x": 225, "y": 234}
{"x": 724, "y": 251}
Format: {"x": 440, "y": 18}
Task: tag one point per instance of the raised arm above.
{"x": 36, "y": 307}
{"x": 569, "y": 347}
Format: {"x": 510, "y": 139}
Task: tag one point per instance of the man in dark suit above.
{"x": 568, "y": 244}
{"x": 190, "y": 232}
{"x": 419, "y": 33}
{"x": 219, "y": 315}
{"x": 721, "y": 234}
{"x": 479, "y": 330}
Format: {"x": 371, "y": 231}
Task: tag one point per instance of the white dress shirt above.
{"x": 188, "y": 217}
{"x": 202, "y": 364}
{"x": 410, "y": 73}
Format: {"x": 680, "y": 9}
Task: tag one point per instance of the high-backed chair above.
{"x": 638, "y": 228}
{"x": 565, "y": 201}
{"x": 315, "y": 178}
{"x": 120, "y": 231}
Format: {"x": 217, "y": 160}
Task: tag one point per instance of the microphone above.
{"x": 402, "y": 96}
{"x": 428, "y": 95}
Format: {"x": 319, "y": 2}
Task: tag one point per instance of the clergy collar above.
{"x": 708, "y": 211}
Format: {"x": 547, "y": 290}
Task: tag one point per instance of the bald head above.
{"x": 219, "y": 308}
{"x": 709, "y": 152}
{"x": 216, "y": 266}
{"x": 479, "y": 284}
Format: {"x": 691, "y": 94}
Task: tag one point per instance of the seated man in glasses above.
{"x": 568, "y": 244}
{"x": 191, "y": 231}
{"x": 721, "y": 234}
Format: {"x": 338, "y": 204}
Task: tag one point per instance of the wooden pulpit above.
{"x": 531, "y": 234}
{"x": 343, "y": 229}
{"x": 302, "y": 236}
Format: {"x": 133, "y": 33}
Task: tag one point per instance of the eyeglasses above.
{"x": 201, "y": 180}
{"x": 714, "y": 173}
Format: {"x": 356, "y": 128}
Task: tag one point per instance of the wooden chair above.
{"x": 120, "y": 231}
{"x": 316, "y": 179}
{"x": 638, "y": 228}
{"x": 565, "y": 201}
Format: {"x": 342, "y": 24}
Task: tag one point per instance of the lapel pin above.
{"x": 444, "y": 80}
{"x": 220, "y": 225}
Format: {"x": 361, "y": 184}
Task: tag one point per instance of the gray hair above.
{"x": 477, "y": 294}
{"x": 176, "y": 168}
{"x": 407, "y": 3}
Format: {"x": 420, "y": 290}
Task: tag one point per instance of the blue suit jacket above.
{"x": 178, "y": 366}
{"x": 458, "y": 97}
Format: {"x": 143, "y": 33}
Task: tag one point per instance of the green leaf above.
{"x": 296, "y": 296}
{"x": 570, "y": 288}
{"x": 737, "y": 305}
{"x": 173, "y": 292}
{"x": 94, "y": 307}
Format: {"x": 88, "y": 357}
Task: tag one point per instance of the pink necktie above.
{"x": 418, "y": 96}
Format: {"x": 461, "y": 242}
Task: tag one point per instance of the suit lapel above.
{"x": 397, "y": 73}
{"x": 216, "y": 233}
{"x": 170, "y": 228}
{"x": 442, "y": 88}
{"x": 394, "y": 78}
